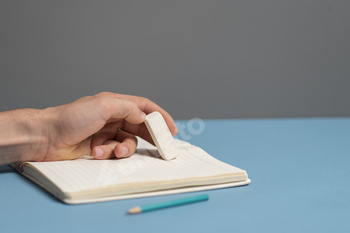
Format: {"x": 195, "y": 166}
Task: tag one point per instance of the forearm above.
{"x": 23, "y": 135}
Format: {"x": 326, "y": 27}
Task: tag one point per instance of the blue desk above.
{"x": 300, "y": 172}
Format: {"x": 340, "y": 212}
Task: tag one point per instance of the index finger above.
{"x": 147, "y": 106}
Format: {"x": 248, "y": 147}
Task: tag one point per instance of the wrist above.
{"x": 23, "y": 135}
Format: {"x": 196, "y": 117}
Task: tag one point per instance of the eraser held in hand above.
{"x": 161, "y": 136}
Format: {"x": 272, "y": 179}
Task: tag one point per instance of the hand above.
{"x": 104, "y": 125}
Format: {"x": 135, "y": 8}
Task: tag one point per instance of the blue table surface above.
{"x": 300, "y": 183}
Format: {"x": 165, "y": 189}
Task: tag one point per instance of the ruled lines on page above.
{"x": 143, "y": 166}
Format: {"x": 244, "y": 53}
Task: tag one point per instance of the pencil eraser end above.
{"x": 161, "y": 136}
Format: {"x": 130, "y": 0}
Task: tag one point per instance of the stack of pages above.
{"x": 144, "y": 174}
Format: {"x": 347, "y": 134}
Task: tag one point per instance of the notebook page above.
{"x": 145, "y": 165}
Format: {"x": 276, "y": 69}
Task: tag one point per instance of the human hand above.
{"x": 104, "y": 125}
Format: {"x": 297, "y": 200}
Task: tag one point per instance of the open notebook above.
{"x": 144, "y": 174}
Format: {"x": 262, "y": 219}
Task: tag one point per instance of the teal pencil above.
{"x": 182, "y": 201}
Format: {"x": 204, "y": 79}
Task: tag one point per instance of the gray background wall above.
{"x": 208, "y": 59}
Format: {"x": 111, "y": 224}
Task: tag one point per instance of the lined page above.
{"x": 145, "y": 165}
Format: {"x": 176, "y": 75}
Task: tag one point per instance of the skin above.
{"x": 103, "y": 125}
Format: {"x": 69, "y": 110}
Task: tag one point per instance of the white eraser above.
{"x": 161, "y": 136}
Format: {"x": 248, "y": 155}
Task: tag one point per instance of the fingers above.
{"x": 115, "y": 109}
{"x": 108, "y": 132}
{"x": 147, "y": 106}
{"x": 123, "y": 146}
{"x": 105, "y": 151}
{"x": 138, "y": 130}
{"x": 127, "y": 113}
{"x": 127, "y": 146}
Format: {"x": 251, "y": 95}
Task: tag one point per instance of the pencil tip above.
{"x": 135, "y": 210}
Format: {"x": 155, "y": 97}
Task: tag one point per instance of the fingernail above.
{"x": 143, "y": 115}
{"x": 124, "y": 152}
{"x": 99, "y": 153}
